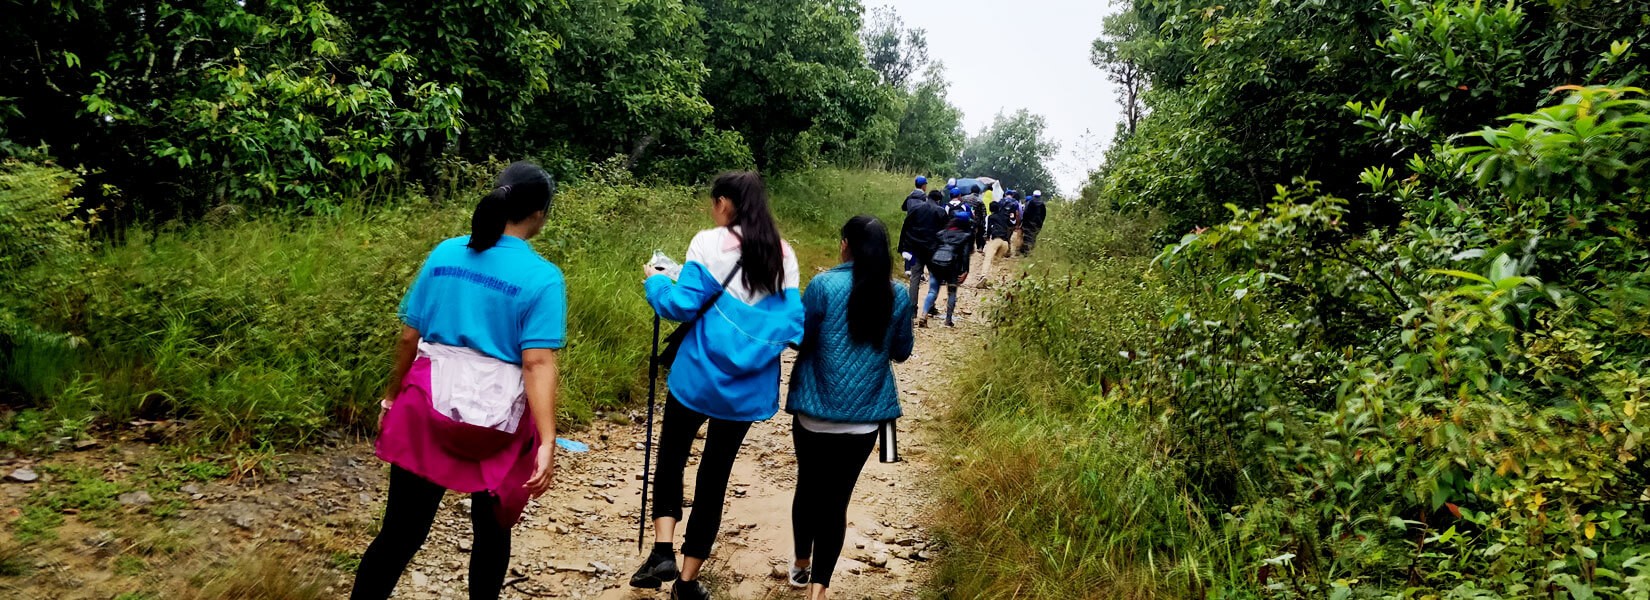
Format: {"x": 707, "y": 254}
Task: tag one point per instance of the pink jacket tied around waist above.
{"x": 459, "y": 456}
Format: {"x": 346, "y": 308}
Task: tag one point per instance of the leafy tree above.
{"x": 894, "y": 52}
{"x": 1013, "y": 149}
{"x": 1268, "y": 83}
{"x": 498, "y": 51}
{"x": 930, "y": 132}
{"x": 185, "y": 106}
{"x": 626, "y": 82}
{"x": 1114, "y": 53}
{"x": 791, "y": 77}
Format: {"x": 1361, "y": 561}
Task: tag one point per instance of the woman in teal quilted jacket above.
{"x": 858, "y": 321}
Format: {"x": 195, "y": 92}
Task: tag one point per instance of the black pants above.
{"x": 1028, "y": 239}
{"x": 827, "y": 467}
{"x": 408, "y": 514}
{"x": 710, "y": 488}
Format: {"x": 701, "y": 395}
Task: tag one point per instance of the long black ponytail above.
{"x": 871, "y": 302}
{"x": 520, "y": 190}
{"x": 761, "y": 252}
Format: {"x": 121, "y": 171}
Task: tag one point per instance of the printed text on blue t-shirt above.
{"x": 487, "y": 281}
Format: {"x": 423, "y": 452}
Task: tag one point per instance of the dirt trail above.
{"x": 578, "y": 541}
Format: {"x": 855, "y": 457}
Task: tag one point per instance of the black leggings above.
{"x": 827, "y": 467}
{"x": 722, "y": 444}
{"x": 408, "y": 514}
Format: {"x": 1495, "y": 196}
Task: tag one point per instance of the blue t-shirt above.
{"x": 498, "y": 302}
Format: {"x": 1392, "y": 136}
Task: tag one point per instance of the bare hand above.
{"x": 963, "y": 278}
{"x": 384, "y": 411}
{"x": 650, "y": 270}
{"x": 544, "y": 470}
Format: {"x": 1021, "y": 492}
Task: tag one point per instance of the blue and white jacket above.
{"x": 728, "y": 367}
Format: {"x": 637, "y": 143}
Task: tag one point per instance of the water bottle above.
{"x": 888, "y": 438}
{"x": 664, "y": 264}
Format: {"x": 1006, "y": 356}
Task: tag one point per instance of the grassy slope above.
{"x": 268, "y": 332}
{"x": 1063, "y": 490}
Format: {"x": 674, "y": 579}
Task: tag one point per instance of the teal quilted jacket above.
{"x": 836, "y": 379}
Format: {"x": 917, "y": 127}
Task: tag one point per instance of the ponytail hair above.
{"x": 871, "y": 301}
{"x": 762, "y": 255}
{"x": 521, "y": 190}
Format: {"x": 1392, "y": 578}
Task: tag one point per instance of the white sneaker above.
{"x": 799, "y": 577}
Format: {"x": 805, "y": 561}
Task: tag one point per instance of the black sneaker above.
{"x": 950, "y": 323}
{"x": 934, "y": 312}
{"x": 689, "y": 590}
{"x": 658, "y": 569}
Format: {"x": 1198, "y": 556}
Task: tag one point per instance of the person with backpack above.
{"x": 471, "y": 401}
{"x": 919, "y": 236}
{"x": 1013, "y": 207}
{"x": 949, "y": 265}
{"x": 737, "y": 294}
{"x": 998, "y": 228}
{"x": 1031, "y": 222}
{"x": 842, "y": 388}
{"x": 976, "y": 207}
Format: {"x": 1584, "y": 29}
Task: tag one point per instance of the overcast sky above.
{"x": 1036, "y": 54}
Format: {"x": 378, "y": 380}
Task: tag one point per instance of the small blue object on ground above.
{"x": 572, "y": 446}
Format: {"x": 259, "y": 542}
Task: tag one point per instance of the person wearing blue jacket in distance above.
{"x": 727, "y": 371}
{"x": 842, "y": 387}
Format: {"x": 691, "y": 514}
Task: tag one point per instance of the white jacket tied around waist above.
{"x": 473, "y": 388}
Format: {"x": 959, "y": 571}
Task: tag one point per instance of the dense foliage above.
{"x": 205, "y": 209}
{"x": 175, "y": 109}
{"x": 1016, "y": 149}
{"x": 1401, "y": 349}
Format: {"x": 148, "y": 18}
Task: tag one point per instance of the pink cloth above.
{"x": 458, "y": 456}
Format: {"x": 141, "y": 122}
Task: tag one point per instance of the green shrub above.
{"x": 1452, "y": 405}
{"x": 43, "y": 247}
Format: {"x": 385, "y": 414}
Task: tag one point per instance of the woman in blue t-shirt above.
{"x": 471, "y": 404}
{"x": 737, "y": 291}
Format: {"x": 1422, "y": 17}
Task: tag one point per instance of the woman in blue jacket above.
{"x": 842, "y": 388}
{"x": 743, "y": 279}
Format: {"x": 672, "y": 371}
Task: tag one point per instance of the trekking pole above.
{"x": 647, "y": 446}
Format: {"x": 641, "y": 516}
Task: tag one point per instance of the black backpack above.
{"x": 951, "y": 257}
{"x": 945, "y": 257}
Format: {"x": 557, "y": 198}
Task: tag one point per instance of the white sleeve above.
{"x": 793, "y": 276}
{"x": 701, "y": 248}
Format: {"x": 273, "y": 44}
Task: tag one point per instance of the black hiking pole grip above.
{"x": 647, "y": 446}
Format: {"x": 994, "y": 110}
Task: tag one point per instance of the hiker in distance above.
{"x": 842, "y": 388}
{"x": 471, "y": 403}
{"x": 915, "y": 198}
{"x": 919, "y": 236}
{"x": 949, "y": 264}
{"x": 1032, "y": 216}
{"x": 998, "y": 228}
{"x": 976, "y": 207}
{"x": 737, "y": 291}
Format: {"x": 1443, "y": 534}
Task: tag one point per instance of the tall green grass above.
{"x": 270, "y": 331}
{"x": 1067, "y": 486}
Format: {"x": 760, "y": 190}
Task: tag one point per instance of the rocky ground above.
{"x": 129, "y": 519}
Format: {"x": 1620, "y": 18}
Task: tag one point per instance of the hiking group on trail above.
{"x": 471, "y": 403}
{"x": 943, "y": 229}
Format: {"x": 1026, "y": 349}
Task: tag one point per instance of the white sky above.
{"x": 1036, "y": 54}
